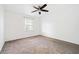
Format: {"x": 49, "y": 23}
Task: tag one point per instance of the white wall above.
{"x": 62, "y": 22}
{"x": 15, "y": 26}
{"x": 1, "y": 27}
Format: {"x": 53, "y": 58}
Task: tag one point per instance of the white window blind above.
{"x": 28, "y": 24}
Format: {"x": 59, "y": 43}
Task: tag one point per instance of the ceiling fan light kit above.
{"x": 40, "y": 8}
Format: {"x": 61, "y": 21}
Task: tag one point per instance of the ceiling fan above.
{"x": 40, "y": 8}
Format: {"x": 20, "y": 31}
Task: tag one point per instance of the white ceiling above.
{"x": 24, "y": 8}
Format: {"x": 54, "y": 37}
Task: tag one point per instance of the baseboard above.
{"x": 51, "y": 36}
{"x": 21, "y": 38}
{"x": 2, "y": 46}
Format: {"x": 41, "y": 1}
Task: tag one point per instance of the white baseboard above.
{"x": 20, "y": 38}
{"x": 2, "y": 46}
{"x": 51, "y": 36}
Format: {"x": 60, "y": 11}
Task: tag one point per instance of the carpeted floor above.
{"x": 39, "y": 45}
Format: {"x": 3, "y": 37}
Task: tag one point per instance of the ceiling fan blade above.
{"x": 43, "y": 6}
{"x": 35, "y": 7}
{"x": 34, "y": 11}
{"x": 45, "y": 10}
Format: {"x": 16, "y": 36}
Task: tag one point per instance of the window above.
{"x": 28, "y": 24}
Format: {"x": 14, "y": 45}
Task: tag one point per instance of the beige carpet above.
{"x": 39, "y": 45}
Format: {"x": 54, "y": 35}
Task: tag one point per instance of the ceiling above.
{"x": 24, "y": 9}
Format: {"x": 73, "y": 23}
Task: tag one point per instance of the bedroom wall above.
{"x": 1, "y": 26}
{"x": 15, "y": 26}
{"x": 62, "y": 22}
